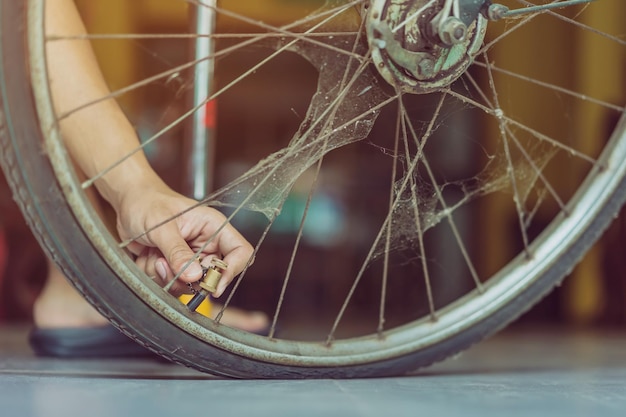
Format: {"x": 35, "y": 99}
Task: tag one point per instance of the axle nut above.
{"x": 452, "y": 31}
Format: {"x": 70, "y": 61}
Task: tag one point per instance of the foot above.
{"x": 250, "y": 321}
{"x": 61, "y": 306}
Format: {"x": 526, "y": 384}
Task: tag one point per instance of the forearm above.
{"x": 100, "y": 134}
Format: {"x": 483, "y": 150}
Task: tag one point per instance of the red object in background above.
{"x": 3, "y": 264}
{"x": 210, "y": 115}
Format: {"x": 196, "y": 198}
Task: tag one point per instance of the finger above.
{"x": 181, "y": 259}
{"x": 146, "y": 261}
{"x": 135, "y": 248}
{"x": 163, "y": 268}
{"x": 237, "y": 254}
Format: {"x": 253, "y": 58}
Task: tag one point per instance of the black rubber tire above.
{"x": 37, "y": 192}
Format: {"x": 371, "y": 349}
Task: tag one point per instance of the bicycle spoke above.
{"x": 533, "y": 132}
{"x": 393, "y": 178}
{"x": 415, "y": 206}
{"x": 517, "y": 199}
{"x": 550, "y": 86}
{"x": 239, "y": 279}
{"x": 447, "y": 211}
{"x": 294, "y": 252}
{"x": 544, "y": 7}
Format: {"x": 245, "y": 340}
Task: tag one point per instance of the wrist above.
{"x": 127, "y": 181}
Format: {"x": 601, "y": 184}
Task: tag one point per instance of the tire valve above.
{"x": 208, "y": 283}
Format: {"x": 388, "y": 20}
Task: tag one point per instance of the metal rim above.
{"x": 461, "y": 315}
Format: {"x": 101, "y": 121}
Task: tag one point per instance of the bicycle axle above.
{"x": 421, "y": 46}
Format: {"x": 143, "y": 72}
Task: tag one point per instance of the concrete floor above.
{"x": 550, "y": 373}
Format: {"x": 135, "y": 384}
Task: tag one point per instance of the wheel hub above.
{"x": 421, "y": 46}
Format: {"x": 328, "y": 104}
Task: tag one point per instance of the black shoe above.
{"x": 89, "y": 342}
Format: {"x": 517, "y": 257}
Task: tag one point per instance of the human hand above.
{"x": 166, "y": 250}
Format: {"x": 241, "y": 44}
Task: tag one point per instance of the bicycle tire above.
{"x": 55, "y": 223}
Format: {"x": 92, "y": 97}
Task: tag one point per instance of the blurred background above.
{"x": 595, "y": 294}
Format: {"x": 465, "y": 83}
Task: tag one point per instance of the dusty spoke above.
{"x": 142, "y": 36}
{"x": 550, "y": 86}
{"x": 522, "y": 126}
{"x": 578, "y": 24}
{"x": 385, "y": 277}
{"x": 447, "y": 210}
{"x": 415, "y": 206}
{"x": 507, "y": 152}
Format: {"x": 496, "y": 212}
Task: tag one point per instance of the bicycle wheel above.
{"x": 420, "y": 200}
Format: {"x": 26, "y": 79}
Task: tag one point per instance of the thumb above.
{"x": 181, "y": 259}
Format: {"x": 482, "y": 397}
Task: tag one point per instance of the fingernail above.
{"x": 160, "y": 270}
{"x": 193, "y": 271}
